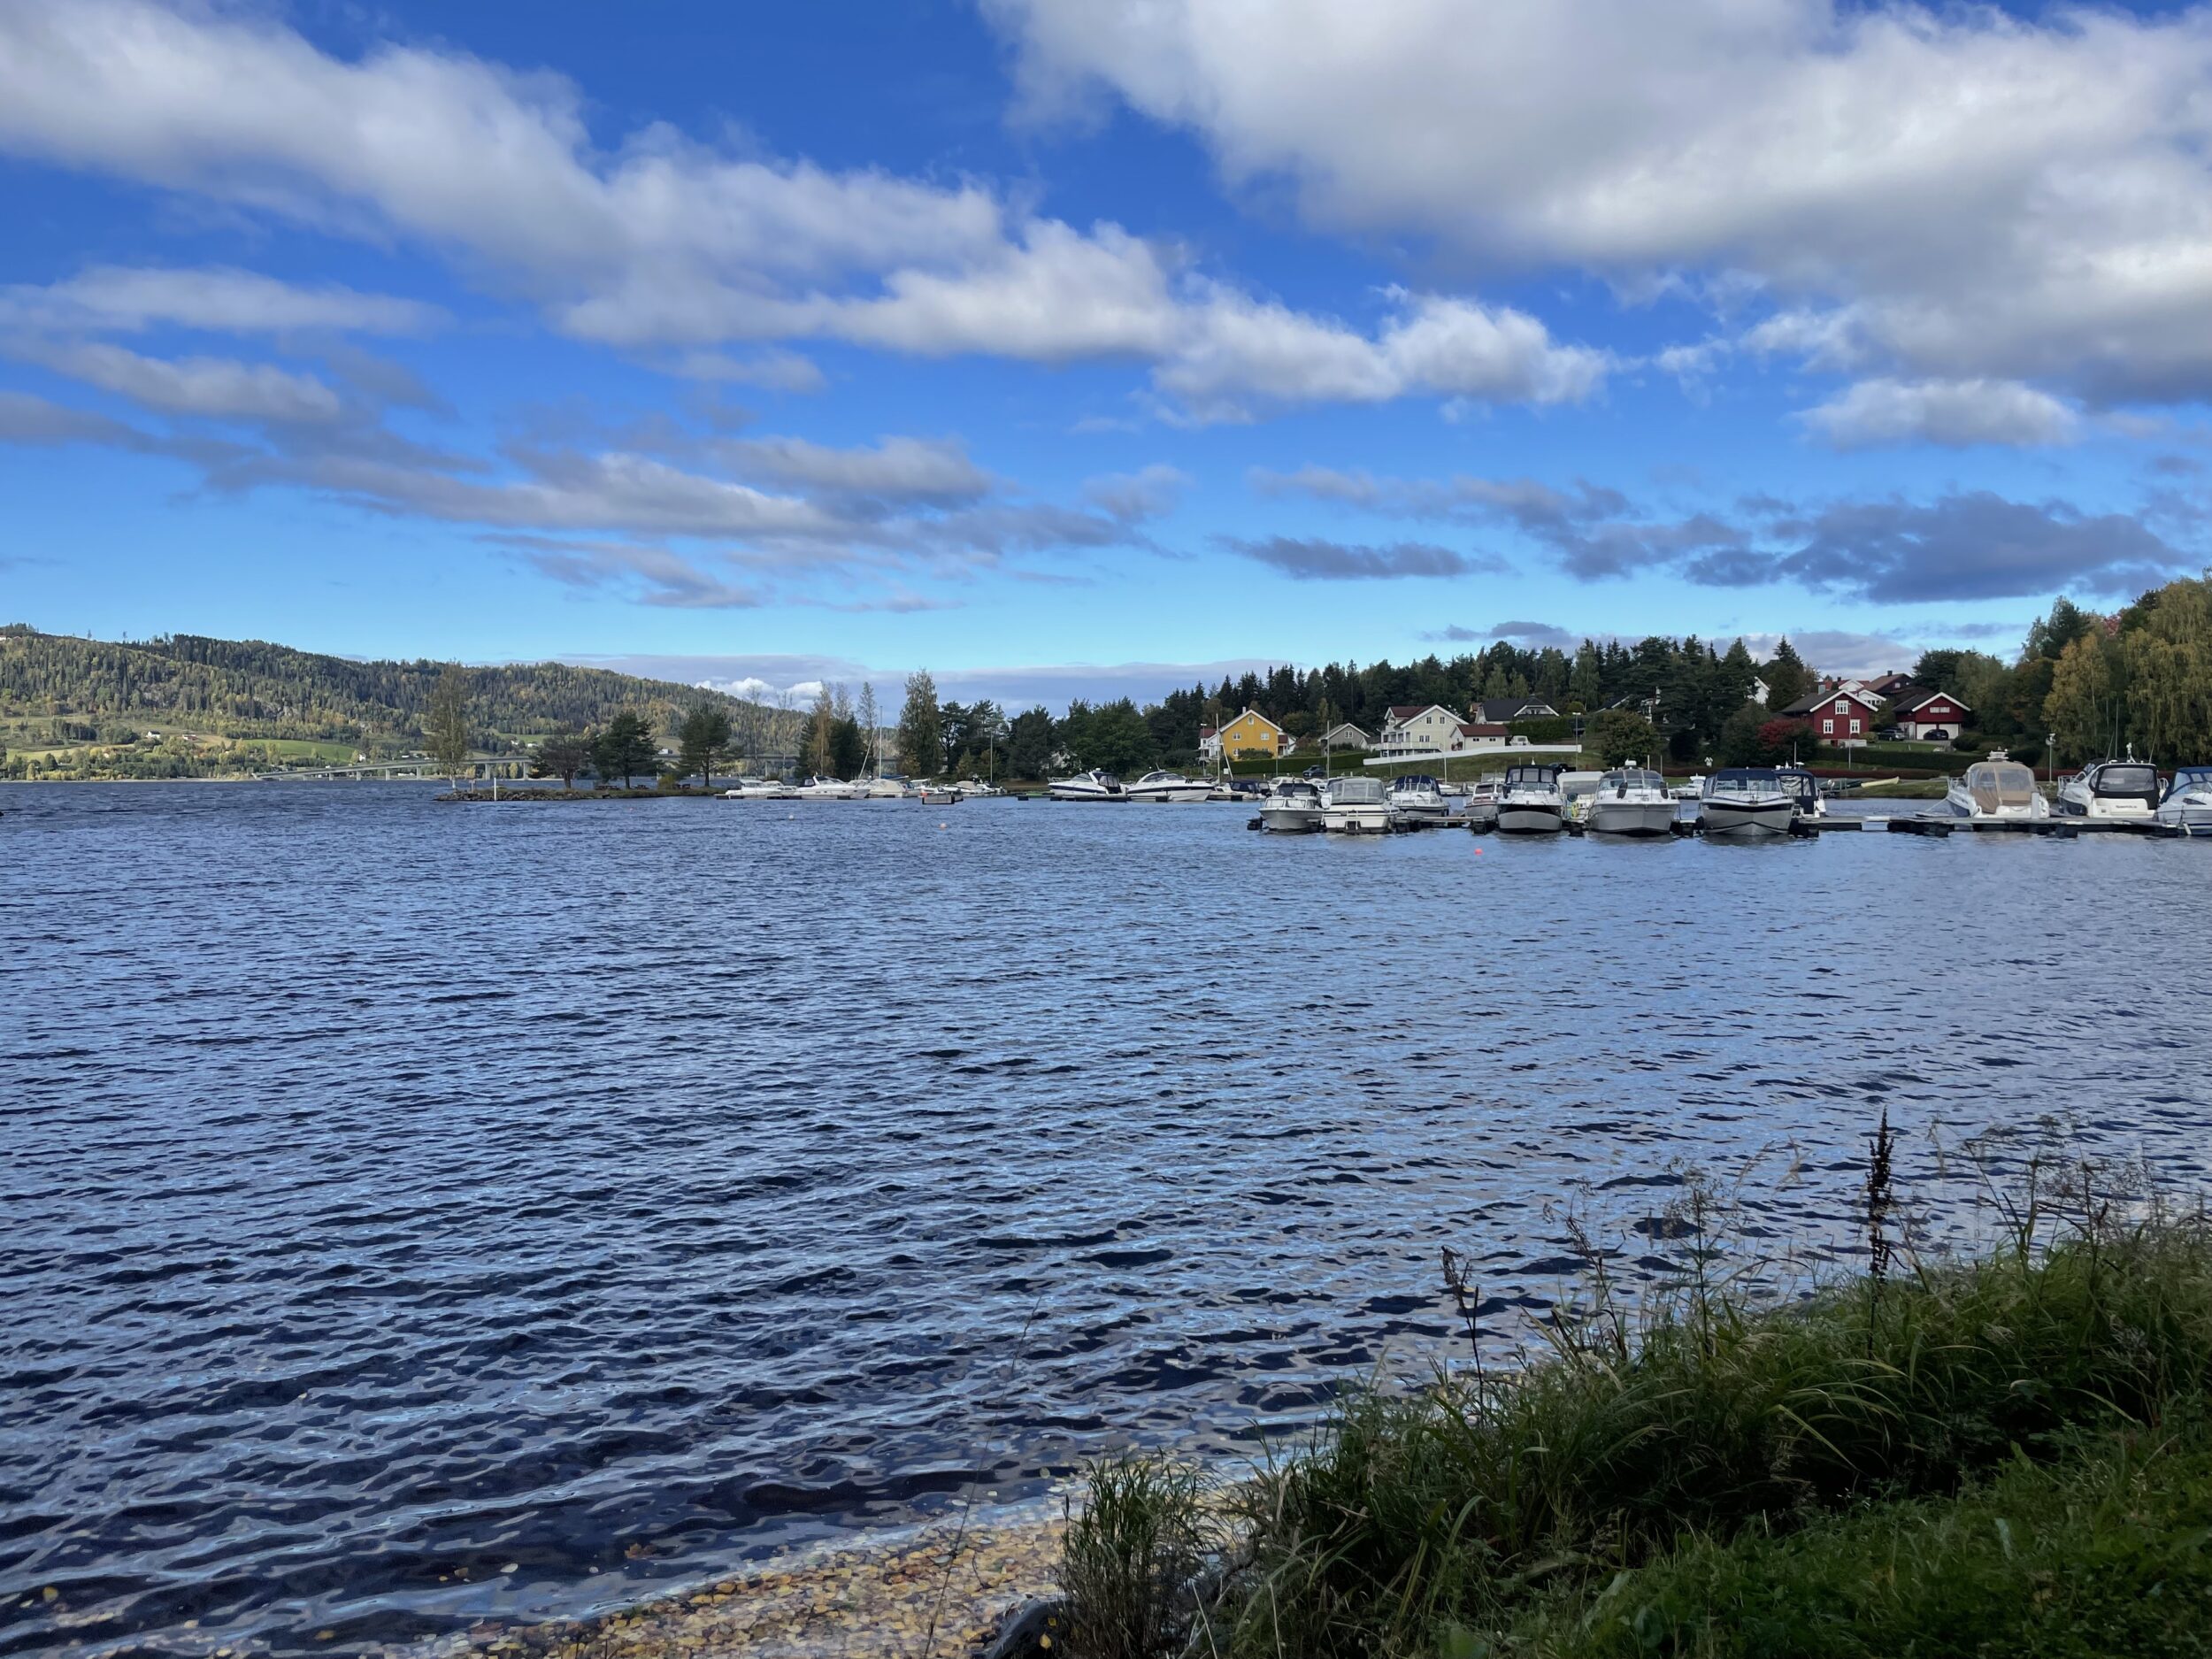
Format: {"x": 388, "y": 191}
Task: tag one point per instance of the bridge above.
{"x": 484, "y": 768}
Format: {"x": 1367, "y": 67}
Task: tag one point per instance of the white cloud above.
{"x": 904, "y": 469}
{"x": 775, "y": 370}
{"x": 662, "y": 241}
{"x": 1966, "y": 193}
{"x": 214, "y": 387}
{"x": 1952, "y": 412}
{"x": 129, "y": 299}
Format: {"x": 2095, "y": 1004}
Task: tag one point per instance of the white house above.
{"x": 1346, "y": 736}
{"x": 1411, "y": 729}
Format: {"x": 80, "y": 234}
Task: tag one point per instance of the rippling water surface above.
{"x": 413, "y": 1212}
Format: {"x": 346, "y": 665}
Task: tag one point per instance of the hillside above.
{"x": 186, "y": 706}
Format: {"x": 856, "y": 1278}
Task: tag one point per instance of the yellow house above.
{"x": 1251, "y": 732}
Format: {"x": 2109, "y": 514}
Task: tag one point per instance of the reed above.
{"x": 1443, "y": 1520}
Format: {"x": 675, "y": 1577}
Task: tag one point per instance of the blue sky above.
{"x": 1073, "y": 347}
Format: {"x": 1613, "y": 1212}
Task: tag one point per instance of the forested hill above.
{"x": 67, "y": 689}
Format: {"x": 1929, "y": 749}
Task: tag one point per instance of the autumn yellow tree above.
{"x": 2165, "y": 647}
{"x": 2080, "y": 711}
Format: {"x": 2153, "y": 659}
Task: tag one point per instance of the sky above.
{"x": 1093, "y": 347}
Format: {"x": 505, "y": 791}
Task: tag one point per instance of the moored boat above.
{"x": 1481, "y": 810}
{"x": 820, "y": 789}
{"x": 1169, "y": 786}
{"x": 1357, "y": 806}
{"x": 2115, "y": 791}
{"x": 2187, "y": 803}
{"x": 1087, "y": 786}
{"x": 1417, "y": 796}
{"x": 1629, "y": 801}
{"x": 1531, "y": 801}
{"x": 1295, "y": 807}
{"x": 1745, "y": 801}
{"x": 1998, "y": 790}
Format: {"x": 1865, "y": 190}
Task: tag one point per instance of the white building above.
{"x": 1412, "y": 729}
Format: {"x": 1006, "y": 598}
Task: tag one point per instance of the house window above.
{"x": 1843, "y": 707}
{"x": 1854, "y": 728}
{"x": 1827, "y": 728}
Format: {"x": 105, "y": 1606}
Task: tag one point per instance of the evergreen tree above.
{"x": 1786, "y": 676}
{"x": 1586, "y": 685}
{"x": 921, "y": 727}
{"x": 624, "y": 749}
{"x": 1029, "y": 745}
{"x": 702, "y": 739}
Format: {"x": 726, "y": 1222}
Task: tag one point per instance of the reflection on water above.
{"x": 416, "y": 1212}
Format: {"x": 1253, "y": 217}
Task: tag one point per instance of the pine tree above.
{"x": 703, "y": 737}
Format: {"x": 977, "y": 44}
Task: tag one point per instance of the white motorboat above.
{"x": 1087, "y": 786}
{"x": 1811, "y": 804}
{"x": 1417, "y": 796}
{"x": 2187, "y": 803}
{"x": 880, "y": 788}
{"x": 762, "y": 789}
{"x": 977, "y": 789}
{"x": 2121, "y": 791}
{"x": 1630, "y": 802}
{"x": 1693, "y": 790}
{"x": 1996, "y": 788}
{"x": 1295, "y": 807}
{"x": 1357, "y": 806}
{"x": 1531, "y": 801}
{"x": 937, "y": 794}
{"x": 1169, "y": 786}
{"x": 1746, "y": 801}
{"x": 820, "y": 789}
{"x": 1481, "y": 810}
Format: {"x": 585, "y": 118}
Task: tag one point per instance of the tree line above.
{"x": 75, "y": 690}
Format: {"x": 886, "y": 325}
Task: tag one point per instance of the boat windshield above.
{"x": 2127, "y": 778}
{"x": 1414, "y": 782}
{"x": 2189, "y": 778}
{"x": 1357, "y": 792}
{"x": 1751, "y": 780}
{"x": 1531, "y": 777}
{"x": 1634, "y": 778}
{"x": 1999, "y": 784}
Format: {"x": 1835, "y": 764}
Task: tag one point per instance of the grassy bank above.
{"x": 2002, "y": 1455}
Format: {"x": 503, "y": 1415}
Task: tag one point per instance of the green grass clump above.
{"x": 2103, "y": 1552}
{"x": 1678, "y": 1468}
{"x": 1133, "y": 1555}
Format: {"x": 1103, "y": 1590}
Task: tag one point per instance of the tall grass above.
{"x": 1449, "y": 1512}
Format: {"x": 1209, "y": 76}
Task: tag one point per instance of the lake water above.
{"x": 412, "y": 1213}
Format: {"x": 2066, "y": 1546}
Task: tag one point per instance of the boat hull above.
{"x": 1481, "y": 814}
{"x": 1532, "y": 817}
{"x": 1357, "y": 820}
{"x": 1089, "y": 792}
{"x": 1169, "y": 792}
{"x": 1746, "y": 818}
{"x": 1291, "y": 820}
{"x": 1630, "y": 818}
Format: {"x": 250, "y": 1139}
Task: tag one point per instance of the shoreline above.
{"x": 934, "y": 1590}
